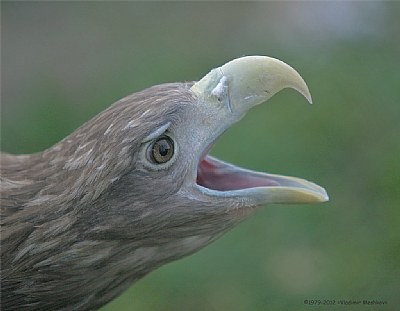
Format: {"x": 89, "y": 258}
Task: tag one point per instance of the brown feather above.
{"x": 75, "y": 223}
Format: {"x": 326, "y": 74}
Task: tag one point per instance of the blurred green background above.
{"x": 63, "y": 62}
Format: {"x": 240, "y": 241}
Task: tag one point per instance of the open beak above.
{"x": 238, "y": 86}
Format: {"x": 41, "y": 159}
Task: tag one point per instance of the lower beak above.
{"x": 219, "y": 178}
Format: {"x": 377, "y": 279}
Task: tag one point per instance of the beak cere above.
{"x": 240, "y": 85}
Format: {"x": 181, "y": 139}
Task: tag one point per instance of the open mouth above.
{"x": 217, "y": 175}
{"x": 224, "y": 179}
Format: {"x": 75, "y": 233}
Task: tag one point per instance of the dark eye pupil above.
{"x": 162, "y": 150}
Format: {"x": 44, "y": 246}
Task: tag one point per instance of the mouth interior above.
{"x": 217, "y": 175}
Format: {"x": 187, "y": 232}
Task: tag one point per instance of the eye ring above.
{"x": 162, "y": 150}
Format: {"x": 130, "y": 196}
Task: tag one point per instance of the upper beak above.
{"x": 248, "y": 81}
{"x": 240, "y": 85}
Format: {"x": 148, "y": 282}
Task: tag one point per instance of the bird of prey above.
{"x": 135, "y": 188}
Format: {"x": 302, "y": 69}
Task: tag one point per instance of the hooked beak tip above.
{"x": 249, "y": 81}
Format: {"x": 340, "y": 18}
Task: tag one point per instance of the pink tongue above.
{"x": 217, "y": 176}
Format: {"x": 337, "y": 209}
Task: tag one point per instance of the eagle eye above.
{"x": 162, "y": 150}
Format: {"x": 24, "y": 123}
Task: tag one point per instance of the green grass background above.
{"x": 63, "y": 62}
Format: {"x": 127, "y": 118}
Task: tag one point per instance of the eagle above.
{"x": 135, "y": 188}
